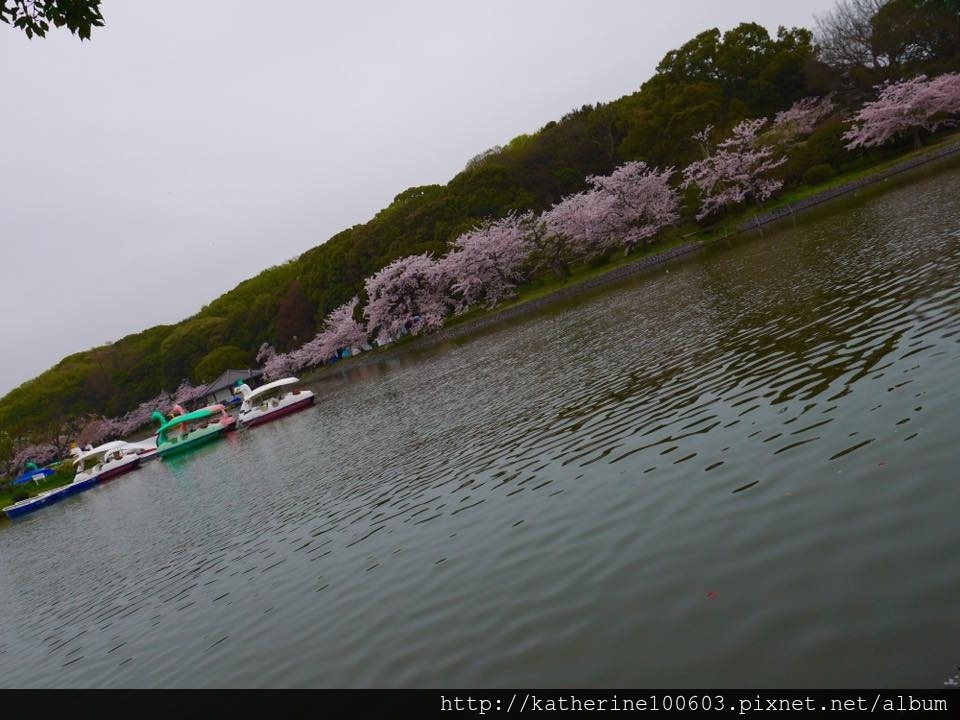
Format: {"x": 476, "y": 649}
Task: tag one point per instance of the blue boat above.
{"x": 26, "y": 506}
{"x": 49, "y": 497}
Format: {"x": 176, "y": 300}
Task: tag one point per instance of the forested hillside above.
{"x": 716, "y": 79}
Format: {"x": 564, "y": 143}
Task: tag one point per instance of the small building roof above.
{"x": 228, "y": 379}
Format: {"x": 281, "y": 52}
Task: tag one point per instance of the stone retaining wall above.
{"x": 849, "y": 187}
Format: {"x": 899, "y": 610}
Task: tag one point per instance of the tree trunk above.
{"x": 917, "y": 142}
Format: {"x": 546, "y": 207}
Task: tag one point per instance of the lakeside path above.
{"x": 622, "y": 272}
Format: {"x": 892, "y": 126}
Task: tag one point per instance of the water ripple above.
{"x": 553, "y": 502}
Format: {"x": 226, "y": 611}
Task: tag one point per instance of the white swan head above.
{"x": 242, "y": 389}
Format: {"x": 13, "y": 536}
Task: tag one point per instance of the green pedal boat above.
{"x": 183, "y": 432}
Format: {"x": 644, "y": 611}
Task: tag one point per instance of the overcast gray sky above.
{"x": 190, "y": 145}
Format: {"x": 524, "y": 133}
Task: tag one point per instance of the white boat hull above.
{"x": 276, "y": 407}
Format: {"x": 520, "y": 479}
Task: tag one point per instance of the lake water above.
{"x": 739, "y": 470}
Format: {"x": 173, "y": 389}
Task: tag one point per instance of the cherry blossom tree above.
{"x": 408, "y": 295}
{"x": 904, "y": 107}
{"x": 555, "y": 237}
{"x": 634, "y": 203}
{"x": 803, "y": 117}
{"x": 265, "y": 352}
{"x": 579, "y": 226}
{"x": 188, "y": 393}
{"x": 702, "y": 139}
{"x": 623, "y": 209}
{"x": 39, "y": 453}
{"x": 61, "y": 432}
{"x": 340, "y": 330}
{"x": 283, "y": 365}
{"x": 487, "y": 264}
{"x": 277, "y": 366}
{"x": 411, "y": 294}
{"x": 736, "y": 172}
{"x": 97, "y": 430}
{"x": 132, "y": 421}
{"x": 310, "y": 354}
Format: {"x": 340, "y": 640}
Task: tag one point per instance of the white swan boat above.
{"x": 105, "y": 461}
{"x": 145, "y": 449}
{"x": 270, "y": 401}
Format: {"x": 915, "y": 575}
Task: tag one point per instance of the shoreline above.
{"x": 625, "y": 271}
{"x": 617, "y": 274}
{"x": 791, "y": 208}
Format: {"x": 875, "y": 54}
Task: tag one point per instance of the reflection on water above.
{"x": 731, "y": 472}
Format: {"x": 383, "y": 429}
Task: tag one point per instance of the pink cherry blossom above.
{"x": 635, "y": 202}
{"x": 736, "y": 171}
{"x": 555, "y": 237}
{"x": 139, "y": 417}
{"x": 340, "y": 331}
{"x": 408, "y": 295}
{"x": 586, "y": 221}
{"x": 803, "y": 117}
{"x": 188, "y": 393}
{"x": 283, "y": 365}
{"x": 487, "y": 264}
{"x": 39, "y": 453}
{"x": 623, "y": 209}
{"x": 265, "y": 352}
{"x": 907, "y": 106}
{"x": 702, "y": 139}
{"x": 277, "y": 366}
{"x": 96, "y": 431}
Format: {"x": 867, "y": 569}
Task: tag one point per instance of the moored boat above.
{"x": 30, "y": 504}
{"x": 145, "y": 449}
{"x": 105, "y": 461}
{"x": 191, "y": 429}
{"x": 270, "y": 401}
{"x": 84, "y": 479}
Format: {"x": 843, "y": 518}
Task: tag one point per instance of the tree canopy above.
{"x": 34, "y": 17}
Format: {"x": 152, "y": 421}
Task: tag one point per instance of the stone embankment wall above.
{"x": 613, "y": 276}
{"x": 849, "y": 187}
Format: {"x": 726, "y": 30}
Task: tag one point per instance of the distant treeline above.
{"x": 716, "y": 79}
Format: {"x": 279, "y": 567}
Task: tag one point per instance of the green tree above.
{"x": 189, "y": 342}
{"x": 294, "y": 317}
{"x": 220, "y": 359}
{"x": 34, "y": 17}
{"x": 911, "y": 34}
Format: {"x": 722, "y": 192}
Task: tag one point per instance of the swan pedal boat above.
{"x": 109, "y": 460}
{"x": 269, "y": 402}
{"x": 145, "y": 449}
{"x": 182, "y": 432}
